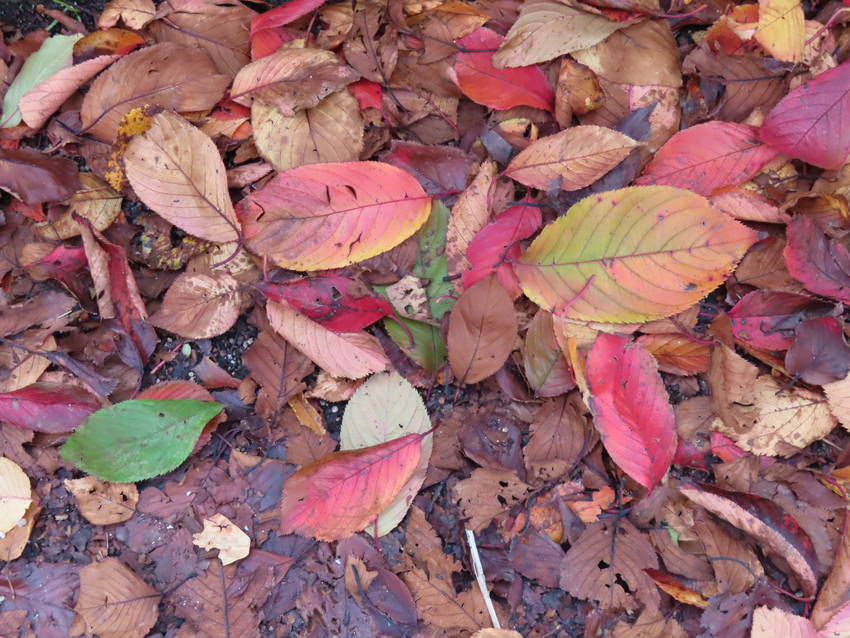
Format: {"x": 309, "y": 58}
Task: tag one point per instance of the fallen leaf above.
{"x": 47, "y": 407}
{"x": 439, "y": 605}
{"x": 33, "y": 178}
{"x": 676, "y": 589}
{"x": 819, "y": 354}
{"x": 546, "y": 369}
{"x": 276, "y": 366}
{"x": 497, "y": 88}
{"x": 198, "y": 306}
{"x": 487, "y": 494}
{"x": 103, "y": 503}
{"x": 469, "y": 215}
{"x": 677, "y": 354}
{"x": 631, "y": 408}
{"x": 342, "y": 493}
{"x": 15, "y": 494}
{"x": 326, "y": 216}
{"x": 482, "y": 329}
{"x": 781, "y": 29}
{"x": 177, "y": 171}
{"x": 597, "y": 267}
{"x": 222, "y": 534}
{"x": 134, "y": 13}
{"x": 439, "y": 169}
{"x": 767, "y": 319}
{"x": 571, "y": 159}
{"x": 14, "y": 542}
{"x": 820, "y": 263}
{"x": 106, "y": 42}
{"x": 284, "y": 14}
{"x": 559, "y": 435}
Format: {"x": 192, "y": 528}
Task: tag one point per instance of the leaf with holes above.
{"x": 631, "y": 408}
{"x": 326, "y": 216}
{"x": 634, "y": 254}
{"x": 343, "y": 492}
{"x": 177, "y": 171}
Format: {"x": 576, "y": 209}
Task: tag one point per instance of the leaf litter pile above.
{"x": 426, "y": 318}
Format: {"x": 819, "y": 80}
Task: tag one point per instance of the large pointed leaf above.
{"x": 810, "y": 123}
{"x": 138, "y": 439}
{"x": 571, "y": 159}
{"x": 177, "y": 171}
{"x": 47, "y": 408}
{"x": 634, "y": 254}
{"x": 500, "y": 89}
{"x": 342, "y": 493}
{"x": 708, "y": 156}
{"x": 631, "y": 408}
{"x": 330, "y": 215}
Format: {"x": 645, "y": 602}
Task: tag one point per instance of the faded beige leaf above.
{"x": 13, "y": 542}
{"x": 224, "y": 535}
{"x": 546, "y": 29}
{"x": 488, "y": 493}
{"x": 22, "y": 368}
{"x": 331, "y": 131}
{"x": 470, "y": 214}
{"x": 15, "y": 494}
{"x": 133, "y": 13}
{"x": 838, "y": 399}
{"x": 571, "y": 159}
{"x": 292, "y": 79}
{"x": 199, "y": 306}
{"x": 114, "y": 602}
{"x": 178, "y": 172}
{"x": 96, "y": 201}
{"x": 345, "y": 354}
{"x": 103, "y": 503}
{"x": 166, "y": 75}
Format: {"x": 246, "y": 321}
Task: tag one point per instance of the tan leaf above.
{"x": 677, "y": 354}
{"x": 329, "y": 388}
{"x": 97, "y": 202}
{"x": 346, "y": 354}
{"x": 571, "y": 159}
{"x": 103, "y": 503}
{"x": 559, "y": 434}
{"x": 44, "y": 99}
{"x": 409, "y": 298}
{"x": 307, "y": 415}
{"x": 133, "y": 13}
{"x": 487, "y": 494}
{"x": 13, "y": 542}
{"x": 167, "y": 75}
{"x": 277, "y": 367}
{"x": 470, "y": 214}
{"x": 737, "y": 574}
{"x": 200, "y": 306}
{"x": 439, "y": 605}
{"x": 331, "y": 131}
{"x": 651, "y": 623}
{"x": 422, "y": 542}
{"x": 222, "y": 534}
{"x": 482, "y": 329}
{"x": 178, "y": 172}
{"x": 114, "y": 602}
{"x": 606, "y": 565}
{"x": 546, "y": 29}
{"x": 355, "y": 584}
{"x": 292, "y": 79}
{"x": 622, "y": 56}
{"x": 24, "y": 368}
{"x": 838, "y": 399}
{"x": 15, "y": 494}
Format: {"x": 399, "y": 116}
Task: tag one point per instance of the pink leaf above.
{"x": 284, "y": 14}
{"x": 47, "y": 407}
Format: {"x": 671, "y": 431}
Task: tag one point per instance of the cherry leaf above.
{"x": 47, "y": 408}
{"x": 819, "y": 354}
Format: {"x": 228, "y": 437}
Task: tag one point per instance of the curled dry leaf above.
{"x": 166, "y": 75}
{"x": 199, "y": 306}
{"x": 331, "y": 131}
{"x": 631, "y": 408}
{"x": 292, "y": 79}
{"x": 114, "y": 602}
{"x": 325, "y": 216}
{"x": 342, "y": 493}
{"x": 347, "y": 354}
{"x": 571, "y": 159}
{"x": 777, "y": 531}
{"x": 15, "y": 494}
{"x": 103, "y": 503}
{"x": 177, "y": 171}
{"x": 133, "y": 13}
{"x": 34, "y": 178}
{"x": 487, "y": 494}
{"x": 482, "y": 330}
{"x": 224, "y": 535}
{"x": 633, "y": 254}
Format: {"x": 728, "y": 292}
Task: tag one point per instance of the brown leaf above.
{"x": 200, "y": 306}
{"x": 487, "y": 494}
{"x": 677, "y": 354}
{"x": 470, "y": 214}
{"x": 177, "y": 171}
{"x": 42, "y": 309}
{"x": 96, "y": 201}
{"x": 546, "y": 369}
{"x": 737, "y": 574}
{"x": 439, "y": 605}
{"x": 114, "y": 602}
{"x": 277, "y": 367}
{"x": 35, "y": 178}
{"x": 426, "y": 548}
{"x": 559, "y": 434}
{"x": 482, "y": 330}
{"x": 103, "y": 503}
{"x": 606, "y": 565}
{"x": 134, "y": 13}
{"x": 292, "y": 79}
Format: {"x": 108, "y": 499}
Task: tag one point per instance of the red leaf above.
{"x": 47, "y": 407}
{"x": 338, "y": 303}
{"x": 708, "y": 156}
{"x": 631, "y": 409}
{"x": 266, "y": 41}
{"x": 367, "y": 93}
{"x": 822, "y": 264}
{"x": 819, "y": 354}
{"x": 343, "y": 492}
{"x": 766, "y": 319}
{"x": 500, "y": 89}
{"x": 810, "y": 123}
{"x": 284, "y": 14}
{"x": 497, "y": 244}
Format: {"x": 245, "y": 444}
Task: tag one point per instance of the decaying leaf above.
{"x": 15, "y": 494}
{"x": 103, "y": 503}
{"x": 222, "y": 534}
{"x": 200, "y": 306}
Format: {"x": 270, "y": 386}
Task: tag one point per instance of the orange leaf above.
{"x": 676, "y": 589}
{"x": 677, "y": 354}
{"x": 343, "y": 492}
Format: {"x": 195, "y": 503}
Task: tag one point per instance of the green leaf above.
{"x": 429, "y": 348}
{"x": 431, "y": 263}
{"x": 55, "y": 54}
{"x": 135, "y": 440}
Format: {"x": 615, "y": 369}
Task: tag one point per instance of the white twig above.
{"x": 478, "y": 570}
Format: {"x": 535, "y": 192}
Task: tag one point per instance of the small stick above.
{"x": 478, "y": 570}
